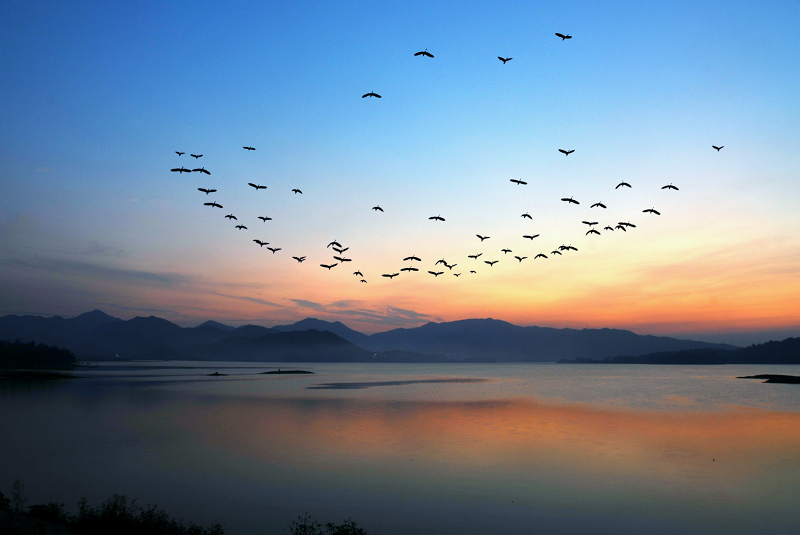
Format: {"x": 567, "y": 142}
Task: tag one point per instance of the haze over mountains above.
{"x": 98, "y": 336}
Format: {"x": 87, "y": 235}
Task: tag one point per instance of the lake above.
{"x": 410, "y": 448}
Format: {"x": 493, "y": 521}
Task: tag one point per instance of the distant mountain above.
{"x": 481, "y": 339}
{"x": 215, "y": 324}
{"x": 784, "y": 352}
{"x": 336, "y": 327}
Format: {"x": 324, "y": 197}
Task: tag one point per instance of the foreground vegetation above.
{"x": 122, "y": 516}
{"x": 32, "y": 356}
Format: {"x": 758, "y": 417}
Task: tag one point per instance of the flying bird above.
{"x": 412, "y": 258}
{"x": 520, "y": 258}
{"x": 592, "y": 231}
{"x": 570, "y": 200}
{"x": 342, "y": 259}
{"x": 202, "y": 170}
{"x": 195, "y": 156}
{"x": 518, "y": 182}
{"x": 472, "y": 271}
{"x": 206, "y": 191}
{"x": 435, "y": 273}
{"x": 212, "y": 204}
{"x": 556, "y": 252}
{"x": 563, "y": 37}
{"x": 181, "y": 170}
{"x": 540, "y": 255}
{"x": 358, "y": 274}
{"x": 241, "y": 227}
{"x": 340, "y": 250}
{"x": 598, "y": 204}
{"x": 527, "y": 215}
{"x": 334, "y": 242}
{"x": 371, "y": 94}
{"x": 718, "y": 148}
{"x": 300, "y": 259}
{"x": 274, "y": 249}
{"x": 329, "y": 266}
{"x": 456, "y": 274}
{"x": 179, "y": 153}
{"x": 566, "y": 152}
{"x": 377, "y": 208}
{"x": 231, "y": 216}
{"x": 609, "y": 228}
{"x": 506, "y": 251}
{"x": 296, "y": 191}
{"x": 390, "y": 275}
{"x": 261, "y": 243}
{"x": 652, "y": 211}
{"x": 248, "y": 148}
{"x": 474, "y": 256}
{"x": 590, "y": 223}
{"x": 571, "y": 248}
{"x": 450, "y": 266}
{"x": 264, "y": 218}
{"x": 437, "y": 218}
{"x": 409, "y": 269}
{"x": 622, "y": 184}
{"x": 424, "y": 53}
{"x": 628, "y": 224}
{"x": 483, "y": 237}
{"x": 257, "y": 186}
{"x": 622, "y": 228}
{"x": 669, "y": 186}
{"x": 504, "y": 59}
{"x": 530, "y": 236}
{"x": 362, "y": 280}
{"x": 442, "y": 261}
{"x": 490, "y": 262}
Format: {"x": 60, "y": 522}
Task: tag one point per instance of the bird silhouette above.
{"x": 206, "y": 191}
{"x": 622, "y": 228}
{"x": 590, "y": 223}
{"x": 592, "y": 231}
{"x": 296, "y": 191}
{"x": 571, "y": 248}
{"x": 202, "y": 170}
{"x": 334, "y": 242}
{"x": 412, "y": 257}
{"x": 490, "y": 262}
{"x": 505, "y": 251}
{"x": 566, "y": 152}
{"x": 652, "y": 211}
{"x": 390, "y": 275}
{"x": 377, "y": 208}
{"x": 598, "y": 204}
{"x": 212, "y": 204}
{"x": 342, "y": 259}
{"x": 718, "y": 148}
{"x": 628, "y": 224}
{"x": 483, "y": 237}
{"x": 371, "y": 94}
{"x": 472, "y": 271}
{"x": 527, "y": 215}
{"x": 570, "y": 200}
{"x": 424, "y": 53}
{"x": 264, "y": 218}
{"x": 669, "y": 186}
{"x": 231, "y": 216}
{"x": 437, "y": 218}
{"x": 261, "y": 243}
{"x": 409, "y": 269}
{"x": 179, "y": 153}
{"x": 520, "y": 258}
{"x": 181, "y": 170}
{"x": 504, "y": 59}
{"x": 248, "y": 148}
{"x": 456, "y": 274}
{"x": 195, "y": 156}
{"x": 530, "y": 236}
{"x": 339, "y": 250}
{"x": 622, "y": 184}
{"x": 329, "y": 266}
{"x": 358, "y": 274}
{"x": 274, "y": 249}
{"x": 609, "y": 228}
{"x": 474, "y": 256}
{"x": 441, "y": 261}
{"x": 450, "y": 266}
{"x": 540, "y": 255}
{"x": 556, "y": 252}
{"x": 435, "y": 273}
{"x": 256, "y": 186}
{"x": 518, "y": 182}
{"x": 241, "y": 227}
{"x": 362, "y": 280}
{"x": 300, "y": 259}
{"x": 563, "y": 37}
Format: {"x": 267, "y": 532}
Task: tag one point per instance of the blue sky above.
{"x": 98, "y": 96}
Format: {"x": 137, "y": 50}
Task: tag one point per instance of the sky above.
{"x": 98, "y": 97}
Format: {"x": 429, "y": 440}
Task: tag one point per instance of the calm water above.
{"x": 449, "y": 449}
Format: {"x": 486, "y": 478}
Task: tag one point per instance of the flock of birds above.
{"x": 474, "y": 260}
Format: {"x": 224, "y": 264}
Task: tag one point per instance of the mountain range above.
{"x": 98, "y": 336}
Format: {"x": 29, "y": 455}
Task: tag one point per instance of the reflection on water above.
{"x": 496, "y": 453}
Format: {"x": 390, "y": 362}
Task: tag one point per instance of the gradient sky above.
{"x": 97, "y": 97}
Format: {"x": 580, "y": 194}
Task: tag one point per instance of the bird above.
{"x": 570, "y": 200}
{"x": 669, "y": 186}
{"x": 261, "y": 243}
{"x": 590, "y": 223}
{"x": 241, "y": 227}
{"x": 212, "y": 204}
{"x": 520, "y": 258}
{"x": 424, "y": 53}
{"x": 622, "y": 184}
{"x": 179, "y": 153}
{"x": 274, "y": 249}
{"x": 409, "y": 269}
{"x": 371, "y": 94}
{"x": 181, "y": 170}
{"x": 518, "y": 182}
{"x": 592, "y": 231}
{"x": 300, "y": 259}
{"x": 258, "y": 187}
{"x": 506, "y": 251}
{"x": 556, "y": 252}
{"x": 483, "y": 237}
{"x": 527, "y": 215}
{"x": 340, "y": 250}
{"x": 362, "y": 280}
{"x": 563, "y": 37}
{"x": 652, "y": 211}
{"x": 377, "y": 208}
{"x": 296, "y": 191}
{"x": 342, "y": 259}
{"x": 540, "y": 255}
{"x": 329, "y": 266}
{"x": 474, "y": 256}
{"x": 718, "y": 148}
{"x": 571, "y": 248}
{"x": 566, "y": 152}
{"x": 248, "y": 148}
{"x": 412, "y": 257}
{"x": 622, "y": 228}
{"x": 334, "y": 242}
{"x": 358, "y": 274}
{"x": 456, "y": 274}
{"x": 435, "y": 273}
{"x": 628, "y": 224}
{"x": 504, "y": 59}
{"x": 450, "y": 266}
{"x": 195, "y": 156}
{"x": 609, "y": 228}
{"x": 206, "y": 191}
{"x": 264, "y": 218}
{"x": 390, "y": 275}
{"x": 437, "y": 218}
{"x": 530, "y": 236}
{"x": 490, "y": 262}
{"x": 598, "y": 204}
{"x": 442, "y": 261}
{"x": 231, "y": 216}
{"x": 472, "y": 271}
{"x": 202, "y": 170}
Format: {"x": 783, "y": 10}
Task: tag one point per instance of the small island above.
{"x": 285, "y": 372}
{"x": 774, "y": 378}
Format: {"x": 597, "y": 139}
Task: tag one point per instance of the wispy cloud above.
{"x": 348, "y": 310}
{"x": 249, "y": 299}
{"x": 94, "y": 270}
